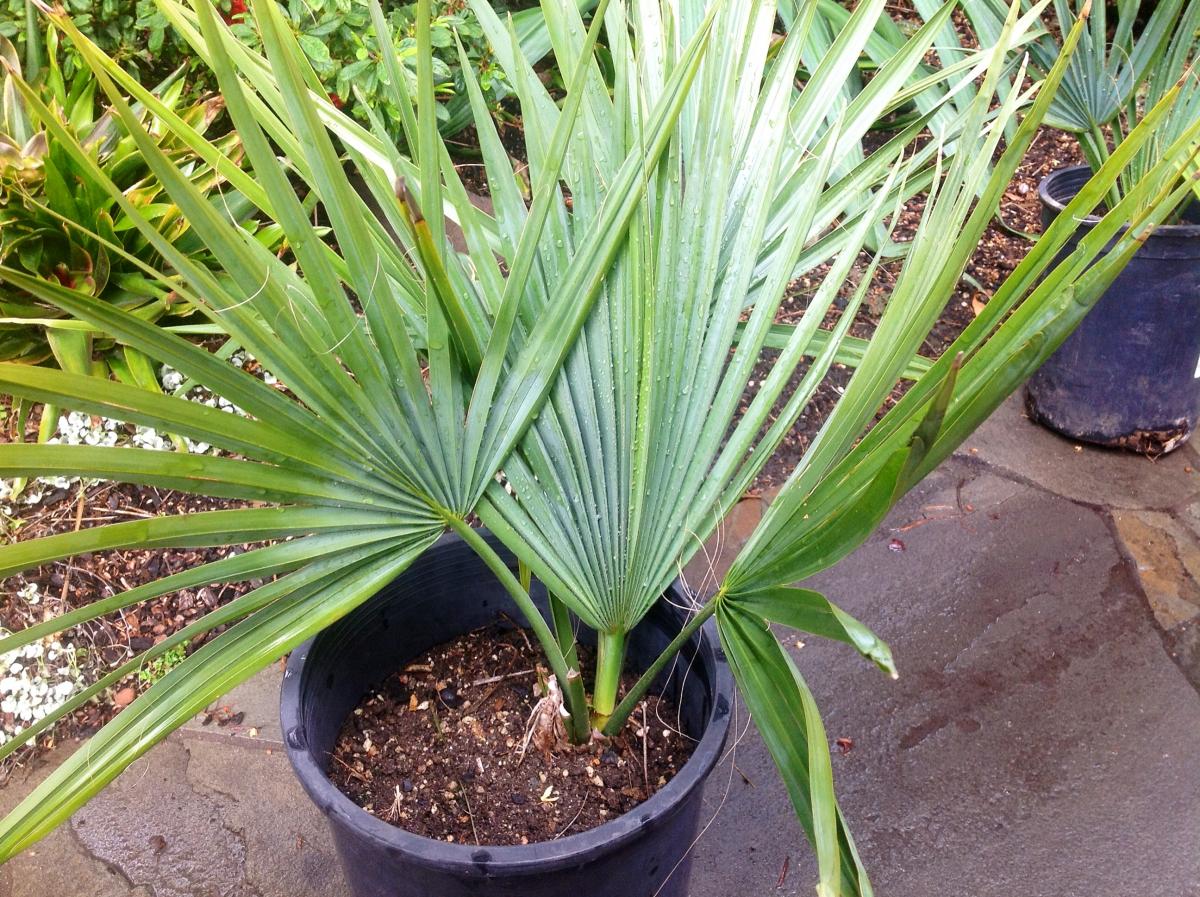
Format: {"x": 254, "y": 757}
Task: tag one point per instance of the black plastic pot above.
{"x": 446, "y": 593}
{"x": 1127, "y": 376}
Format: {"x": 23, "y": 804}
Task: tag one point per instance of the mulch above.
{"x": 77, "y": 582}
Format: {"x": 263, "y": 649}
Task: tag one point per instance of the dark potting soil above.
{"x": 437, "y": 750}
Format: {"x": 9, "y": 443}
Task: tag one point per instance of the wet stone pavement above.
{"x": 1042, "y": 604}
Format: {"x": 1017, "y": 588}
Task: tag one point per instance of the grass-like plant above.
{"x": 574, "y": 377}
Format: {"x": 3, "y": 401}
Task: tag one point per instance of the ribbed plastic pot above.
{"x": 1127, "y": 376}
{"x": 446, "y": 593}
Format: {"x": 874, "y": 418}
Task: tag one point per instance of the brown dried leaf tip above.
{"x": 546, "y": 730}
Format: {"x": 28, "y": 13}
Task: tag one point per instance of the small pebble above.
{"x": 519, "y": 799}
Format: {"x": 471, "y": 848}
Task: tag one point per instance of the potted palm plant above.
{"x": 1127, "y": 376}
{"x": 572, "y": 380}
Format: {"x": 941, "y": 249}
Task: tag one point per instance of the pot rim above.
{"x": 1175, "y": 231}
{"x": 536, "y": 856}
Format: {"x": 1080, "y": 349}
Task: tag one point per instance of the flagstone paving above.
{"x": 1041, "y": 600}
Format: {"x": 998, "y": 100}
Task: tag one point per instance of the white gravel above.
{"x": 35, "y": 680}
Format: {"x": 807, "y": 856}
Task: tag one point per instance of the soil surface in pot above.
{"x": 437, "y": 750}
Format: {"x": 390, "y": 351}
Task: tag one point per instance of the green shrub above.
{"x": 133, "y": 32}
{"x": 341, "y": 45}
{"x": 336, "y": 35}
{"x": 60, "y": 223}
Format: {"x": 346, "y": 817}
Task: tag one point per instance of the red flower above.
{"x": 237, "y": 11}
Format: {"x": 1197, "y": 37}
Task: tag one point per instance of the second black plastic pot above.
{"x": 1127, "y": 376}
{"x": 446, "y": 593}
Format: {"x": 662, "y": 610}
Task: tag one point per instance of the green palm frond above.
{"x": 574, "y": 376}
{"x": 369, "y": 448}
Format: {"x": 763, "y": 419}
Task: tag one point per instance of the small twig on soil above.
{"x": 528, "y": 644}
{"x": 482, "y": 699}
{"x": 574, "y": 819}
{"x": 350, "y": 769}
{"x": 104, "y": 584}
{"x": 393, "y": 813}
{"x": 493, "y": 679}
{"x": 131, "y": 512}
{"x": 470, "y": 812}
{"x": 520, "y": 631}
{"x": 79, "y": 506}
{"x": 921, "y": 521}
{"x": 62, "y": 596}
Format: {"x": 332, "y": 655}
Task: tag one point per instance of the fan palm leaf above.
{"x": 575, "y": 376}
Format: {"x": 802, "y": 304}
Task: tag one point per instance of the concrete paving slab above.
{"x": 196, "y": 817}
{"x": 288, "y": 851}
{"x": 163, "y": 834}
{"x": 58, "y": 864}
{"x": 1183, "y": 645}
{"x": 1038, "y": 742}
{"x": 255, "y": 706}
{"x": 1013, "y": 444}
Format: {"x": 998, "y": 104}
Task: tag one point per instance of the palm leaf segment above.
{"x": 632, "y": 461}
{"x": 597, "y": 371}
